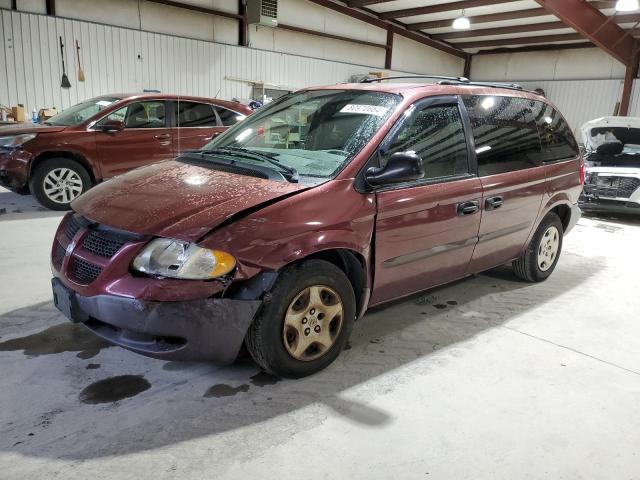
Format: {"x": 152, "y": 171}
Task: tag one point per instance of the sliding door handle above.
{"x": 493, "y": 203}
{"x": 468, "y": 208}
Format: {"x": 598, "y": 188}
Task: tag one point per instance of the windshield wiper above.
{"x": 253, "y": 154}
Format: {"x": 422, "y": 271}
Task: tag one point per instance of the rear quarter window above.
{"x": 558, "y": 142}
{"x": 505, "y": 133}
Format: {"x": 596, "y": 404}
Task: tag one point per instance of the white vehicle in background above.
{"x": 612, "y": 161}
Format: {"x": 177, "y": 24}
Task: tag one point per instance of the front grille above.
{"x": 75, "y": 223}
{"x": 83, "y": 272}
{"x": 103, "y": 243}
{"x": 58, "y": 255}
{"x": 611, "y": 187}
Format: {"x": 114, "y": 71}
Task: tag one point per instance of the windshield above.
{"x": 311, "y": 133}
{"x": 81, "y": 112}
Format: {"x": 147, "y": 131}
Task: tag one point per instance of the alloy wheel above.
{"x": 313, "y": 322}
{"x": 62, "y": 185}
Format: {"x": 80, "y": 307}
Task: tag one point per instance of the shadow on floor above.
{"x": 387, "y": 338}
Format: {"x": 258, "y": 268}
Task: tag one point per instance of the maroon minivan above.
{"x": 282, "y": 231}
{"x": 106, "y": 136}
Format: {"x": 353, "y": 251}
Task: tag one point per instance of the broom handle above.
{"x": 78, "y": 52}
{"x": 62, "y": 55}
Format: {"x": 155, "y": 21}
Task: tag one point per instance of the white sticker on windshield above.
{"x": 365, "y": 109}
{"x": 103, "y": 103}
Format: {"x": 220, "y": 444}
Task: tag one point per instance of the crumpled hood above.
{"x": 21, "y": 128}
{"x": 175, "y": 199}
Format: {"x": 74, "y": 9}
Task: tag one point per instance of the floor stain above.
{"x": 452, "y": 302}
{"x": 223, "y": 390}
{"x": 92, "y": 366}
{"x": 179, "y": 366}
{"x": 440, "y": 306}
{"x": 347, "y": 346}
{"x": 262, "y": 379}
{"x": 65, "y": 337}
{"x": 113, "y": 389}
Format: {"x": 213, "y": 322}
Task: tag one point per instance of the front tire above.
{"x": 306, "y": 322}
{"x": 541, "y": 256}
{"x": 58, "y": 181}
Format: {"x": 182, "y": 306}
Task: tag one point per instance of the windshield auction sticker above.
{"x": 365, "y": 109}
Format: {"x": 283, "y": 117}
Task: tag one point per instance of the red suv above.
{"x": 281, "y": 232}
{"x": 107, "y": 136}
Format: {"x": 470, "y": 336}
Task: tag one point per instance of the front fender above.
{"x": 330, "y": 216}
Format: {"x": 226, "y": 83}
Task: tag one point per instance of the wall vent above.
{"x": 262, "y": 12}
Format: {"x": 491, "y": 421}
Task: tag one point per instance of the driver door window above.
{"x": 436, "y": 135}
{"x": 139, "y": 115}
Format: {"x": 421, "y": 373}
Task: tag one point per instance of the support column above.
{"x": 243, "y": 38}
{"x": 630, "y": 75}
{"x": 467, "y": 65}
{"x": 388, "y": 57}
{"x": 51, "y": 7}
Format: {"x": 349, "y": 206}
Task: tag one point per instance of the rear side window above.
{"x": 228, "y": 117}
{"x": 556, "y": 137}
{"x": 505, "y": 133}
{"x": 436, "y": 135}
{"x": 192, "y": 114}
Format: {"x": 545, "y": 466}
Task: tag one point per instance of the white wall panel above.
{"x": 580, "y": 63}
{"x": 120, "y": 60}
{"x": 412, "y": 56}
{"x": 581, "y": 100}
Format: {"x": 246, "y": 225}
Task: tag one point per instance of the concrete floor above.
{"x": 488, "y": 378}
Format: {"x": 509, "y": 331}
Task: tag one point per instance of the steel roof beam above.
{"x": 397, "y": 28}
{"x": 593, "y": 25}
{"x": 442, "y": 7}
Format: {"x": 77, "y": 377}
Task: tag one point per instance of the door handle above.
{"x": 162, "y": 136}
{"x": 468, "y": 208}
{"x": 493, "y": 203}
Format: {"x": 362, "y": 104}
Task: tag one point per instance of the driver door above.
{"x": 146, "y": 138}
{"x": 426, "y": 230}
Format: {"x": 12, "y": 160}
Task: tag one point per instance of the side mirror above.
{"x": 112, "y": 126}
{"x": 401, "y": 167}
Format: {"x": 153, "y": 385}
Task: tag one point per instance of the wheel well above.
{"x": 564, "y": 212}
{"x": 40, "y": 159}
{"x": 353, "y": 266}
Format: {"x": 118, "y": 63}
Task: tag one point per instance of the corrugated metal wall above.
{"x": 123, "y": 60}
{"x": 581, "y": 100}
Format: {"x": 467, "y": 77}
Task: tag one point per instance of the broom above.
{"x": 80, "y": 71}
{"x": 65, "y": 83}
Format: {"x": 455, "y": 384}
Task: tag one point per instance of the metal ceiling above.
{"x": 495, "y": 24}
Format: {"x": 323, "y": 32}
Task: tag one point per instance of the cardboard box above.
{"x": 46, "y": 113}
{"x": 18, "y": 113}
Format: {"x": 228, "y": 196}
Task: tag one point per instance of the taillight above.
{"x": 582, "y": 174}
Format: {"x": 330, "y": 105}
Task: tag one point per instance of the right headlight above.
{"x": 166, "y": 257}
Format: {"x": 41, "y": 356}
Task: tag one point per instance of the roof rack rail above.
{"x": 452, "y": 81}
{"x": 404, "y": 77}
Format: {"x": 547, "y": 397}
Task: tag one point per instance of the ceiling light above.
{"x": 461, "y": 23}
{"x": 627, "y": 5}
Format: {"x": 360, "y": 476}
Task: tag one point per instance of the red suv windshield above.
{"x": 314, "y": 132}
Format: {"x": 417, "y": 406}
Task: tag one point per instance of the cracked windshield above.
{"x": 308, "y": 136}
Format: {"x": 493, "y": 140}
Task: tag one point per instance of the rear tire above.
{"x": 305, "y": 323}
{"x": 58, "y": 181}
{"x": 541, "y": 256}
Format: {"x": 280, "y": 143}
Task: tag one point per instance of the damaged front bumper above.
{"x": 14, "y": 168}
{"x": 210, "y": 329}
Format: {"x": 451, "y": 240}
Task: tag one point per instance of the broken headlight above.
{"x": 176, "y": 259}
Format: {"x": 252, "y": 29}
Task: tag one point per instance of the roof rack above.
{"x": 451, "y": 81}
